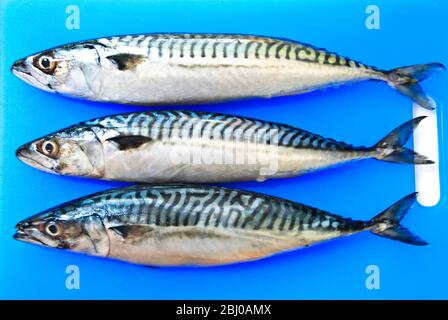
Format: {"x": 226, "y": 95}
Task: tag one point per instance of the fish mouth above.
{"x": 22, "y": 235}
{"x": 20, "y": 70}
{"x": 23, "y": 155}
{"x": 26, "y": 232}
{"x": 19, "y": 67}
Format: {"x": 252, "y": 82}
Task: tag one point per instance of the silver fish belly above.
{"x": 190, "y": 68}
{"x": 182, "y": 225}
{"x": 187, "y": 146}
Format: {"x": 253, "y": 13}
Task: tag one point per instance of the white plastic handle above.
{"x": 427, "y": 177}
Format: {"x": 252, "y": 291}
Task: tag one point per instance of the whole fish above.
{"x": 152, "y": 69}
{"x": 187, "y": 146}
{"x": 182, "y": 225}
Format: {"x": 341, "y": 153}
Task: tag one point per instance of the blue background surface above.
{"x": 411, "y": 32}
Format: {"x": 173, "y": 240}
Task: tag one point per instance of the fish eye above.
{"x": 50, "y": 148}
{"x": 53, "y": 229}
{"x": 45, "y": 63}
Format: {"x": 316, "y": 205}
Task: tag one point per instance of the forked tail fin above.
{"x": 406, "y": 81}
{"x": 387, "y": 223}
{"x": 391, "y": 148}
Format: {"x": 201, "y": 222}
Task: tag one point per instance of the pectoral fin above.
{"x": 132, "y": 232}
{"x": 129, "y": 142}
{"x": 126, "y": 61}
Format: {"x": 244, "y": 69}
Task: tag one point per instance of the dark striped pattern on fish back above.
{"x": 164, "y": 125}
{"x": 205, "y": 206}
{"x": 170, "y": 45}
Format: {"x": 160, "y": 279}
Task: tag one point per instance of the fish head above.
{"x": 70, "y": 226}
{"x": 60, "y": 70}
{"x": 75, "y": 151}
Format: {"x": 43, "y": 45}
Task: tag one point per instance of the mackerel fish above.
{"x": 154, "y": 69}
{"x": 193, "y": 225}
{"x": 199, "y": 147}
